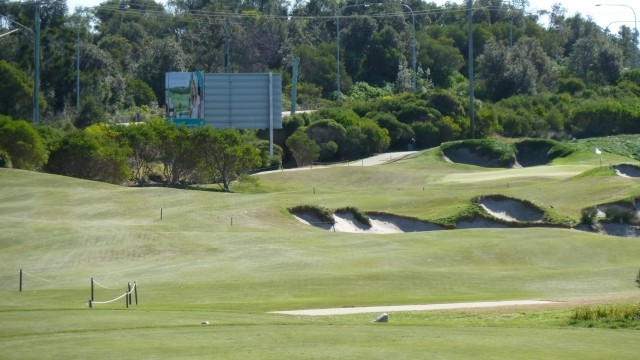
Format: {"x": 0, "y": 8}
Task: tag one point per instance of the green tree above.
{"x": 441, "y": 57}
{"x": 177, "y": 152}
{"x": 145, "y": 150}
{"x": 304, "y": 150}
{"x": 400, "y": 134}
{"x": 595, "y": 60}
{"x": 365, "y": 139}
{"x": 139, "y": 93}
{"x": 16, "y": 92}
{"x": 223, "y": 155}
{"x": 22, "y": 143}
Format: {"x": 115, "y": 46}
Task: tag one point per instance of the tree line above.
{"x": 567, "y": 78}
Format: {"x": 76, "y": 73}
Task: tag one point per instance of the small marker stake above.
{"x": 160, "y": 213}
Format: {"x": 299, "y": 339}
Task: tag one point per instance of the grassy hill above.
{"x": 230, "y": 258}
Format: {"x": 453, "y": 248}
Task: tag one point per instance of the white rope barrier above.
{"x": 35, "y": 277}
{"x": 126, "y": 293}
{"x": 102, "y": 286}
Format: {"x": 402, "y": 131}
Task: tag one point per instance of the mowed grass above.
{"x": 231, "y": 258}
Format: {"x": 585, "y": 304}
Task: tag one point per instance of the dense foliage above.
{"x": 565, "y": 79}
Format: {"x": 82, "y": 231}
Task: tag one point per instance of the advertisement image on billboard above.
{"x": 184, "y": 95}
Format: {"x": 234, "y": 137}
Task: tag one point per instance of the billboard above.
{"x": 238, "y": 101}
{"x": 184, "y": 95}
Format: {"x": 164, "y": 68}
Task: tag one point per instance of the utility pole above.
{"x": 470, "y": 60}
{"x": 36, "y": 61}
{"x": 78, "y": 67}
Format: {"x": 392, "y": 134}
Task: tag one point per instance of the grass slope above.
{"x": 230, "y": 258}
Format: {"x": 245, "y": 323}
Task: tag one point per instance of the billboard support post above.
{"x": 271, "y": 114}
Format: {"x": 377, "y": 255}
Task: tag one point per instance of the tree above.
{"x": 145, "y": 145}
{"x": 400, "y": 134}
{"x": 383, "y": 58}
{"x": 524, "y": 69}
{"x": 176, "y": 152}
{"x": 329, "y": 135}
{"x": 440, "y": 56}
{"x": 223, "y": 155}
{"x": 16, "y": 89}
{"x": 595, "y": 60}
{"x": 22, "y": 143}
{"x": 365, "y": 139}
{"x": 304, "y": 150}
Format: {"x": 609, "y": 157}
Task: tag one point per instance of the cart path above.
{"x": 428, "y": 307}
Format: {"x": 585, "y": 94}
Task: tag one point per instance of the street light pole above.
{"x": 78, "y": 68}
{"x": 36, "y": 56}
{"x": 470, "y": 61}
{"x": 635, "y": 22}
{"x": 413, "y": 23}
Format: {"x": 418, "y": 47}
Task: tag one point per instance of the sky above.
{"x": 603, "y": 15}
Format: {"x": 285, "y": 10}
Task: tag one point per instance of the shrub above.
{"x": 5, "y": 159}
{"x": 589, "y": 216}
{"x": 324, "y": 214}
{"x": 22, "y": 142}
{"x": 612, "y": 316}
{"x": 620, "y": 216}
{"x": 357, "y": 214}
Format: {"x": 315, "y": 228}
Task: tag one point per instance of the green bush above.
{"x": 324, "y": 214}
{"x": 357, "y": 214}
{"x": 5, "y": 159}
{"x": 589, "y": 216}
{"x": 22, "y": 142}
{"x": 620, "y": 216}
{"x": 608, "y": 316}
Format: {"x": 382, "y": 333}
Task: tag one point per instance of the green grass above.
{"x": 230, "y": 258}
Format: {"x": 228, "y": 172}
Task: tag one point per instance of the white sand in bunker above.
{"x": 427, "y": 307}
{"x": 511, "y": 210}
{"x": 380, "y": 223}
{"x": 626, "y": 170}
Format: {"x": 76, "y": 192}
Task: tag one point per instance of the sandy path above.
{"x": 429, "y": 307}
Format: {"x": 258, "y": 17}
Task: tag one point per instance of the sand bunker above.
{"x": 627, "y": 170}
{"x": 510, "y": 209}
{"x": 311, "y": 219}
{"x": 624, "y": 230}
{"x": 615, "y": 206}
{"x": 380, "y": 223}
{"x": 465, "y": 155}
{"x": 533, "y": 154}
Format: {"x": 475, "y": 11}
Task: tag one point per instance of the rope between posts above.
{"x": 126, "y": 293}
{"x": 110, "y": 301}
{"x": 35, "y": 277}
{"x": 102, "y": 286}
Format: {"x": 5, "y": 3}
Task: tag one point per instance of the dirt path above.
{"x": 429, "y": 307}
